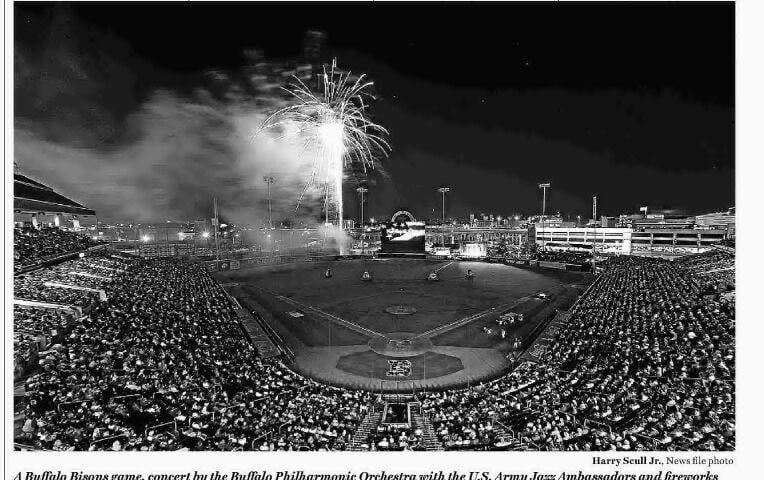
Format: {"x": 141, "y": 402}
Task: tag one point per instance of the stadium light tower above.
{"x": 443, "y": 191}
{"x": 594, "y": 208}
{"x": 362, "y": 190}
{"x": 269, "y": 180}
{"x": 216, "y": 224}
{"x": 543, "y": 187}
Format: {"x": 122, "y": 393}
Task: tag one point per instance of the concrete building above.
{"x": 719, "y": 220}
{"x": 599, "y": 240}
{"x": 626, "y": 241}
{"x": 657, "y": 241}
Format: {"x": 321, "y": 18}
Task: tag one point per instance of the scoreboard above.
{"x": 402, "y": 237}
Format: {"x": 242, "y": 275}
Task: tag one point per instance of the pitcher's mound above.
{"x": 400, "y": 310}
{"x": 400, "y": 344}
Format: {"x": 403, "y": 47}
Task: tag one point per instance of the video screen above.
{"x": 403, "y": 237}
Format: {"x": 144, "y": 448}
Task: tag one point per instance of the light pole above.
{"x": 543, "y": 186}
{"x": 217, "y": 227}
{"x": 269, "y": 180}
{"x": 443, "y": 191}
{"x": 594, "y": 224}
{"x": 362, "y": 190}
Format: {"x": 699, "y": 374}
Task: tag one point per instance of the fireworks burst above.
{"x": 331, "y": 124}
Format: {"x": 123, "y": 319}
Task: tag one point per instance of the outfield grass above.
{"x": 396, "y": 282}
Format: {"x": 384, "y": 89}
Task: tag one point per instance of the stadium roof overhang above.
{"x": 30, "y": 196}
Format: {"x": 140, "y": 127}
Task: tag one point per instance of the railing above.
{"x": 597, "y": 422}
{"x": 511, "y": 431}
{"x": 252, "y": 445}
{"x": 284, "y": 425}
{"x": 275, "y": 338}
{"x": 650, "y": 439}
{"x": 269, "y": 434}
{"x": 29, "y": 448}
{"x": 160, "y": 425}
{"x": 47, "y": 262}
{"x": 531, "y": 443}
{"x": 104, "y": 440}
{"x": 268, "y": 260}
{"x": 124, "y": 397}
{"x": 70, "y": 404}
{"x": 226, "y": 407}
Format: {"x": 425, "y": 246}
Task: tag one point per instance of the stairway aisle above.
{"x": 361, "y": 436}
{"x": 431, "y": 441}
{"x": 505, "y": 435}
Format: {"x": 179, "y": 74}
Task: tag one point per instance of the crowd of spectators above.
{"x": 75, "y": 282}
{"x": 714, "y": 270}
{"x": 34, "y": 329}
{"x": 644, "y": 362}
{"x": 573, "y": 258}
{"x": 396, "y": 438}
{"x": 32, "y": 245}
{"x": 728, "y": 242}
{"x": 163, "y": 364}
{"x": 32, "y": 287}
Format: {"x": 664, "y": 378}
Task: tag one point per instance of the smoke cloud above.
{"x": 183, "y": 152}
{"x": 165, "y": 157}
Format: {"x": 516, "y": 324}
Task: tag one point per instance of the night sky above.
{"x": 633, "y": 103}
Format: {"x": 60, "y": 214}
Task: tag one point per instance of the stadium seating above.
{"x": 573, "y": 258}
{"x": 713, "y": 271}
{"x": 163, "y": 364}
{"x": 645, "y": 362}
{"x": 31, "y": 245}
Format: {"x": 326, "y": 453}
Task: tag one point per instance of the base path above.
{"x": 437, "y": 270}
{"x": 330, "y": 317}
{"x": 497, "y": 310}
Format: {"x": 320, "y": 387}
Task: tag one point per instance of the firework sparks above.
{"x": 333, "y": 125}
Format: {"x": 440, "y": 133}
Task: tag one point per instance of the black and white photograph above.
{"x": 372, "y": 227}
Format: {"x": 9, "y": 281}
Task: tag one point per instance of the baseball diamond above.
{"x": 343, "y": 331}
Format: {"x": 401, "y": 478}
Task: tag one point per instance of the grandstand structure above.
{"x": 36, "y": 204}
{"x": 189, "y": 355}
{"x": 114, "y": 351}
{"x": 47, "y": 225}
{"x": 720, "y": 220}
